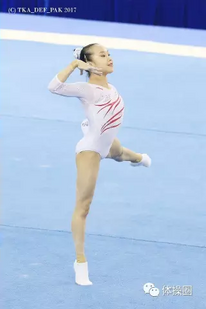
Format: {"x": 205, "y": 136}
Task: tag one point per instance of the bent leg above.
{"x": 119, "y": 153}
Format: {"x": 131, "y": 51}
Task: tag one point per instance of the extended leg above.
{"x": 87, "y": 172}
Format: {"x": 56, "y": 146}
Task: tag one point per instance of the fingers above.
{"x": 94, "y": 70}
{"x": 98, "y": 72}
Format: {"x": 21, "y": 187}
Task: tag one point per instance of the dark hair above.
{"x": 86, "y": 54}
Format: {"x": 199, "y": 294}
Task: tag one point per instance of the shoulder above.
{"x": 81, "y": 84}
{"x": 112, "y": 87}
{"x": 86, "y": 92}
{"x": 85, "y": 86}
{"x": 82, "y": 87}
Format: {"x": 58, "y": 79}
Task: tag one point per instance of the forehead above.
{"x": 97, "y": 49}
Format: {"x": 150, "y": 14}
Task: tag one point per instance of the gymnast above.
{"x": 104, "y": 112}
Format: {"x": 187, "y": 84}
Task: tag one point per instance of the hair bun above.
{"x": 77, "y": 52}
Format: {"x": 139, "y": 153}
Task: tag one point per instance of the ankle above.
{"x": 138, "y": 158}
{"x": 81, "y": 258}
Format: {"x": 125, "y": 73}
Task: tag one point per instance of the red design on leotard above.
{"x": 109, "y": 104}
{"x": 111, "y": 121}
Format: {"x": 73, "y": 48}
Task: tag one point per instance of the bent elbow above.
{"x": 51, "y": 88}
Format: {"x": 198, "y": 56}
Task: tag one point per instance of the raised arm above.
{"x": 65, "y": 73}
{"x": 58, "y": 85}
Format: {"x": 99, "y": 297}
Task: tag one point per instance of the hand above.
{"x": 83, "y": 66}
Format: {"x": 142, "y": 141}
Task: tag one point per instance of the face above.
{"x": 101, "y": 59}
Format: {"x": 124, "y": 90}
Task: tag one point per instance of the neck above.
{"x": 99, "y": 80}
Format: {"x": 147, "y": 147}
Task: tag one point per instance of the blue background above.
{"x": 171, "y": 13}
{"x": 145, "y": 225}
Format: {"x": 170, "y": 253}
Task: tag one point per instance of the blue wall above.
{"x": 172, "y": 13}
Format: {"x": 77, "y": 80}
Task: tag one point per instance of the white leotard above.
{"x": 104, "y": 110}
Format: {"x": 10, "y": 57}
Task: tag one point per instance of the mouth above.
{"x": 110, "y": 64}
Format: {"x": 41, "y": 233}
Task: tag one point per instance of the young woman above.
{"x": 104, "y": 109}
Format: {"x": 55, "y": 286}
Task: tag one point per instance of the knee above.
{"x": 83, "y": 206}
{"x": 118, "y": 155}
{"x": 116, "y": 151}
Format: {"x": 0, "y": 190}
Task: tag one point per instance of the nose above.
{"x": 110, "y": 60}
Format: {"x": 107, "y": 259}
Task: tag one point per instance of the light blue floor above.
{"x": 145, "y": 225}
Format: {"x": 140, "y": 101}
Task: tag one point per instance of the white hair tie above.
{"x": 77, "y": 52}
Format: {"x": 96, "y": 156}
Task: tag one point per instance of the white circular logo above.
{"x": 147, "y": 287}
{"x": 154, "y": 292}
